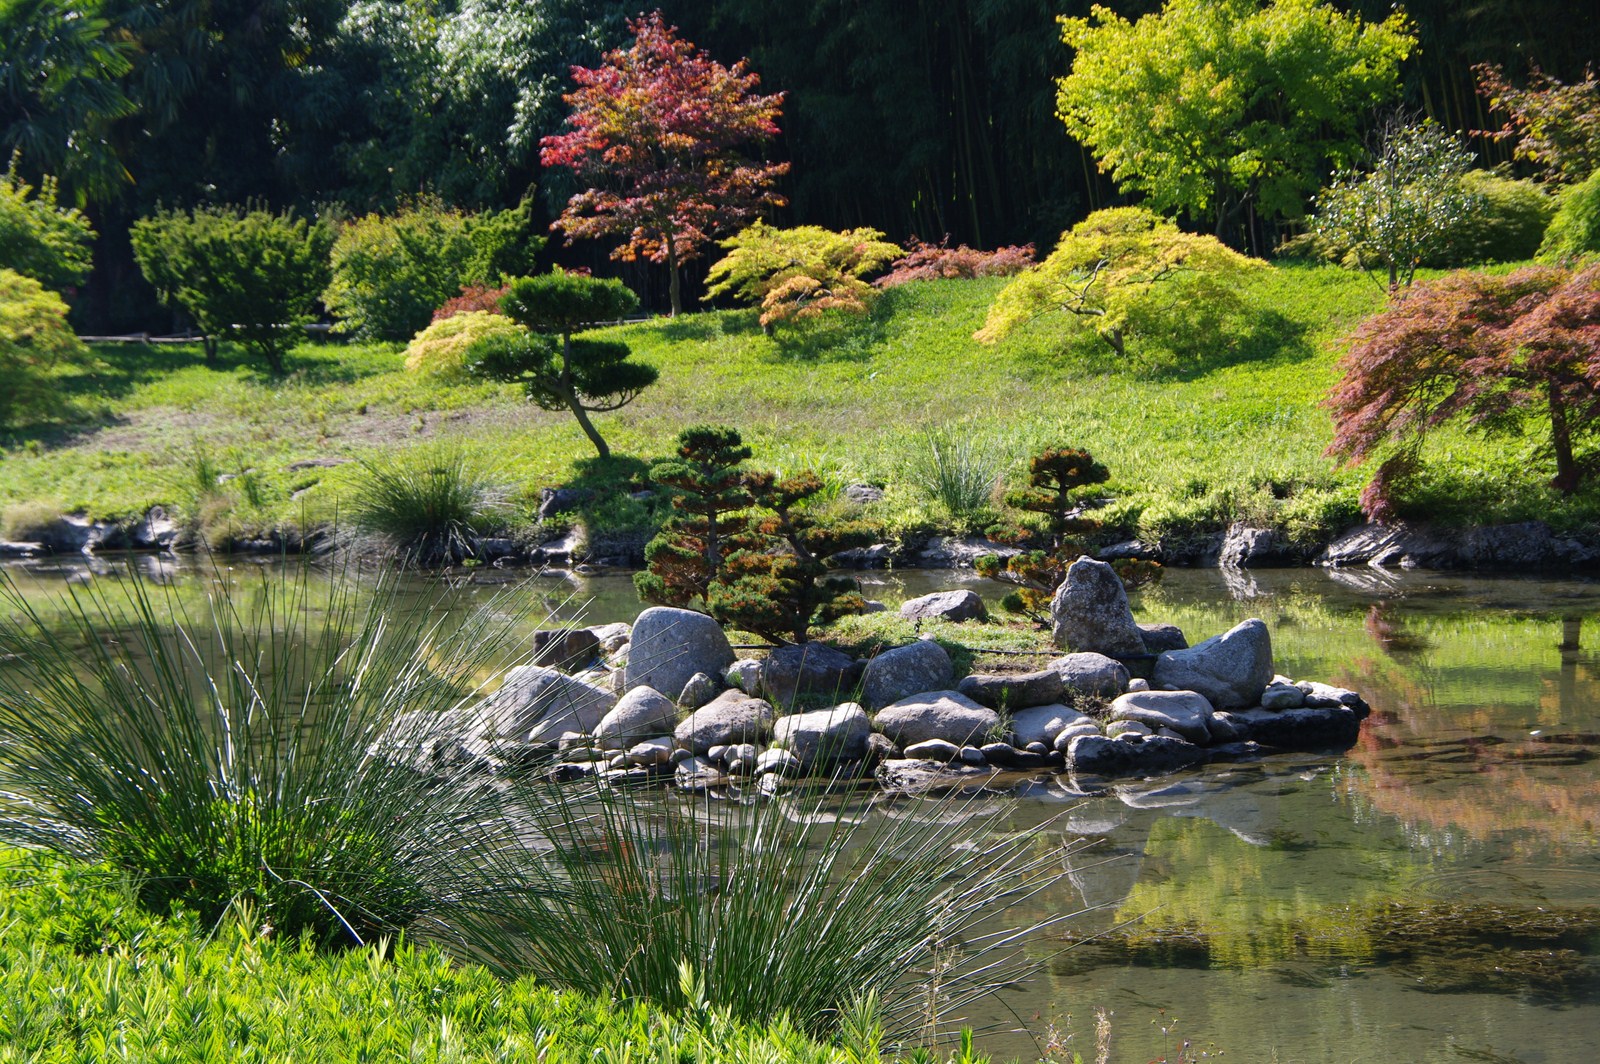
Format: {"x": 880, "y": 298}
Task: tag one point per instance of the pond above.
{"x": 1432, "y": 895}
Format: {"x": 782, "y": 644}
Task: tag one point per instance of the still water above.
{"x": 1431, "y": 895}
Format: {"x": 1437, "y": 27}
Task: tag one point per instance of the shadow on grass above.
{"x": 835, "y": 337}
{"x": 707, "y": 325}
{"x": 607, "y": 497}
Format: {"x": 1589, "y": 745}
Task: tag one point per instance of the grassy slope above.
{"x": 84, "y": 975}
{"x": 1222, "y": 422}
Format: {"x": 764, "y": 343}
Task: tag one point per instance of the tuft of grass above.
{"x": 429, "y": 505}
{"x": 956, "y": 468}
{"x": 794, "y": 906}
{"x": 220, "y": 754}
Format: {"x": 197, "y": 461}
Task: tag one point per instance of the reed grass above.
{"x": 428, "y": 506}
{"x": 220, "y": 754}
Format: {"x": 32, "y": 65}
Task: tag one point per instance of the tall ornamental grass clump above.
{"x": 798, "y": 906}
{"x": 428, "y": 505}
{"x": 955, "y": 468}
{"x": 219, "y": 752}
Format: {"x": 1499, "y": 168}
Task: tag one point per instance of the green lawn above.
{"x": 1219, "y": 422}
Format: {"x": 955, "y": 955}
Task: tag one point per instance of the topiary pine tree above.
{"x": 708, "y": 475}
{"x": 782, "y": 589}
{"x": 1055, "y": 478}
{"x": 582, "y": 375}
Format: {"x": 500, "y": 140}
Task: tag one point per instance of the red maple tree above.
{"x": 657, "y": 131}
{"x": 1496, "y": 352}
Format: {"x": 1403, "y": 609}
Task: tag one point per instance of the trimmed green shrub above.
{"x": 242, "y": 274}
{"x": 34, "y": 339}
{"x": 441, "y": 349}
{"x": 1506, "y": 225}
{"x": 39, "y": 238}
{"x": 1575, "y": 230}
{"x": 390, "y": 273}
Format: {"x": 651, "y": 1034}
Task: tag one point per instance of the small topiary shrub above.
{"x": 441, "y": 350}
{"x": 34, "y": 339}
{"x": 390, "y": 273}
{"x": 1575, "y": 230}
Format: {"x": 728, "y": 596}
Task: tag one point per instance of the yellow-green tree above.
{"x": 1213, "y": 107}
{"x": 1108, "y": 271}
{"x": 801, "y": 273}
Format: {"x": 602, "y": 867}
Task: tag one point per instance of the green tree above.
{"x": 1219, "y": 107}
{"x": 390, "y": 273}
{"x": 34, "y": 339}
{"x": 1404, "y": 209}
{"x": 38, "y": 237}
{"x": 707, "y": 476}
{"x": 248, "y": 275}
{"x": 782, "y": 587}
{"x": 580, "y": 375}
{"x": 801, "y": 273}
{"x": 1575, "y": 230}
{"x": 1109, "y": 270}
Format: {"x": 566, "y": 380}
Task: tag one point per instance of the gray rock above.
{"x": 1004, "y": 755}
{"x": 640, "y": 714}
{"x": 1041, "y": 724}
{"x": 1016, "y": 691}
{"x": 939, "y": 750}
{"x": 1184, "y": 712}
{"x": 20, "y": 549}
{"x": 718, "y": 752}
{"x": 1091, "y": 674}
{"x": 554, "y": 501}
{"x": 825, "y": 735}
{"x": 800, "y": 669}
{"x": 1244, "y": 547}
{"x": 880, "y": 747}
{"x": 1130, "y": 548}
{"x": 611, "y": 637}
{"x": 680, "y": 755}
{"x": 536, "y": 704}
{"x": 1230, "y": 670}
{"x": 1063, "y": 740}
{"x": 651, "y": 752}
{"x": 954, "y": 606}
{"x": 947, "y": 715}
{"x": 875, "y": 556}
{"x": 671, "y": 645}
{"x": 862, "y": 494}
{"x": 973, "y": 755}
{"x": 156, "y": 530}
{"x": 894, "y": 674}
{"x": 741, "y": 752}
{"x": 565, "y": 648}
{"x": 1321, "y": 694}
{"x": 917, "y": 776}
{"x": 1138, "y": 683}
{"x": 949, "y": 552}
{"x": 745, "y": 675}
{"x": 1160, "y": 638}
{"x": 1119, "y": 728}
{"x": 1282, "y": 696}
{"x": 1307, "y": 728}
{"x": 1226, "y": 728}
{"x": 731, "y": 717}
{"x": 699, "y": 690}
{"x": 1097, "y": 755}
{"x": 697, "y": 774}
{"x": 1090, "y": 612}
{"x": 782, "y": 762}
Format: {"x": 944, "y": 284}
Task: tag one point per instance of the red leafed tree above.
{"x": 658, "y": 133}
{"x": 1497, "y": 352}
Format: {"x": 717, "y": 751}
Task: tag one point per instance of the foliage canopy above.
{"x": 1556, "y": 125}
{"x": 39, "y": 237}
{"x": 1109, "y": 269}
{"x": 658, "y": 133}
{"x": 1575, "y": 230}
{"x": 34, "y": 338}
{"x": 801, "y": 273}
{"x": 1212, "y": 107}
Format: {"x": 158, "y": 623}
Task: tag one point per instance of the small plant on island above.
{"x": 800, "y": 274}
{"x": 1056, "y": 477}
{"x": 557, "y": 371}
{"x": 742, "y": 546}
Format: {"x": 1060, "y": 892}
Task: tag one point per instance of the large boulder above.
{"x": 642, "y": 713}
{"x": 1041, "y": 724}
{"x": 825, "y": 735}
{"x": 731, "y": 717}
{"x": 1090, "y": 674}
{"x": 954, "y": 606}
{"x": 1307, "y": 728}
{"x": 947, "y": 715}
{"x": 1160, "y": 638}
{"x": 1098, "y": 755}
{"x": 1185, "y": 712}
{"x": 1015, "y": 691}
{"x": 1244, "y": 547}
{"x": 537, "y": 704}
{"x": 894, "y": 674}
{"x": 1230, "y": 670}
{"x": 565, "y": 648}
{"x": 670, "y": 645}
{"x": 806, "y": 669}
{"x": 1090, "y": 612}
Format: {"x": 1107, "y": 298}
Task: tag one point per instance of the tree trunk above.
{"x": 575, "y": 402}
{"x": 209, "y": 344}
{"x": 1567, "y": 473}
{"x": 674, "y": 282}
{"x": 1115, "y": 339}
